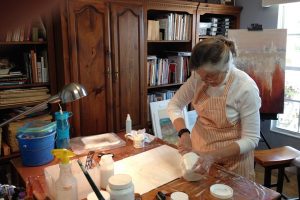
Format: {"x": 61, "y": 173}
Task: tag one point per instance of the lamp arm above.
{"x": 49, "y": 100}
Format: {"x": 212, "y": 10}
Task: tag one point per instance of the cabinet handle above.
{"x": 116, "y": 76}
{"x": 107, "y": 71}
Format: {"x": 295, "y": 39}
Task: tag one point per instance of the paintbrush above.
{"x": 91, "y": 182}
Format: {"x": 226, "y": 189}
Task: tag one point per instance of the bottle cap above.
{"x": 106, "y": 159}
{"x": 179, "y": 196}
{"x": 221, "y": 191}
{"x": 120, "y": 181}
{"x": 128, "y": 117}
{"x": 63, "y": 154}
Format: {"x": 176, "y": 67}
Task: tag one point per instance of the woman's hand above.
{"x": 204, "y": 162}
{"x": 185, "y": 143}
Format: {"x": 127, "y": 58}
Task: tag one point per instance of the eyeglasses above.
{"x": 211, "y": 77}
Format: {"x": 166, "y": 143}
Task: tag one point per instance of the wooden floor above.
{"x": 289, "y": 189}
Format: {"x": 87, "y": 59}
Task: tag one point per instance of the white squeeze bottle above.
{"x": 128, "y": 124}
{"x": 106, "y": 169}
{"x": 66, "y": 184}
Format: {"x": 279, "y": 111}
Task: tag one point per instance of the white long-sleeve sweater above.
{"x": 243, "y": 103}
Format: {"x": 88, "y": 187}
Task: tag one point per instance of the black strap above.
{"x": 184, "y": 130}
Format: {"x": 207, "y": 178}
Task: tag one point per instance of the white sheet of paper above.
{"x": 152, "y": 168}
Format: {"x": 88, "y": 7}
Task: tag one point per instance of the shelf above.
{"x": 164, "y": 86}
{"x": 205, "y": 36}
{"x": 23, "y": 43}
{"x": 4, "y": 159}
{"x": 16, "y": 105}
{"x": 24, "y": 86}
{"x": 168, "y": 41}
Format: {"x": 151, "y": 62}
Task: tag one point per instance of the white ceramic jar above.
{"x": 120, "y": 187}
{"x": 187, "y": 163}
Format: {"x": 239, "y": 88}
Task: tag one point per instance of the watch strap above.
{"x": 184, "y": 130}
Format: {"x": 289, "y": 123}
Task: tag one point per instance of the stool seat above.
{"x": 296, "y": 162}
{"x": 276, "y": 156}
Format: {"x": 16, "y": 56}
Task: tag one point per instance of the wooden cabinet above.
{"x": 102, "y": 48}
{"x": 127, "y": 28}
{"x": 101, "y": 44}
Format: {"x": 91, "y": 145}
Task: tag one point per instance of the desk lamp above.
{"x": 69, "y": 93}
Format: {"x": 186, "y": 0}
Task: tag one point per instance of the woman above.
{"x": 227, "y": 102}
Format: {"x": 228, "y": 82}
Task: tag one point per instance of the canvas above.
{"x": 261, "y": 54}
{"x": 161, "y": 122}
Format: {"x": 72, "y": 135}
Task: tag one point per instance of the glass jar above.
{"x": 120, "y": 187}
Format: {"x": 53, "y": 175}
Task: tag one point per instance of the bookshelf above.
{"x": 170, "y": 38}
{"x": 158, "y": 45}
{"x": 215, "y": 19}
{"x": 27, "y": 71}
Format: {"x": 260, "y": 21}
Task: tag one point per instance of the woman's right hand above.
{"x": 184, "y": 143}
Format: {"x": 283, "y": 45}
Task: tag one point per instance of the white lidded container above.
{"x": 93, "y": 196}
{"x": 179, "y": 196}
{"x": 120, "y": 187}
{"x": 188, "y": 161}
{"x": 106, "y": 169}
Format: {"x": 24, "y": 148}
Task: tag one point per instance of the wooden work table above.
{"x": 243, "y": 188}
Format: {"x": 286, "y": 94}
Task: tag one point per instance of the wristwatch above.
{"x": 184, "y": 130}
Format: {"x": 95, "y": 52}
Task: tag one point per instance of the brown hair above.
{"x": 212, "y": 51}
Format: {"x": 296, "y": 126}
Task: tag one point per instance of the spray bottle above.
{"x": 62, "y": 129}
{"x": 66, "y": 184}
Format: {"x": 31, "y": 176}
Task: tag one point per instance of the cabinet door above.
{"x": 90, "y": 65}
{"x": 128, "y": 63}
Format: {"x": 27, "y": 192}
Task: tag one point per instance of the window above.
{"x": 289, "y": 121}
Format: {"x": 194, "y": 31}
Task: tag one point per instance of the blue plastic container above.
{"x": 36, "y": 140}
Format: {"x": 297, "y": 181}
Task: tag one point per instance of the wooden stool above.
{"x": 276, "y": 158}
{"x": 296, "y": 162}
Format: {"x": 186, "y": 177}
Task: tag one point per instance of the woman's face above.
{"x": 211, "y": 78}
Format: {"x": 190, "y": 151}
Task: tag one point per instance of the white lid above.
{"x": 179, "y": 196}
{"x": 106, "y": 159}
{"x": 92, "y": 195}
{"x": 119, "y": 181}
{"x": 221, "y": 191}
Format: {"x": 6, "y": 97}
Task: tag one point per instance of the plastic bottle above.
{"x": 66, "y": 184}
{"x": 62, "y": 129}
{"x": 106, "y": 169}
{"x": 128, "y": 124}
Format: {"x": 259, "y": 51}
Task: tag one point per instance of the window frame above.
{"x": 274, "y": 127}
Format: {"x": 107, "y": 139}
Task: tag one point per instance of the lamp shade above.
{"x": 72, "y": 92}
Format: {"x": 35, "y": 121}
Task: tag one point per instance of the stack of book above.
{"x": 214, "y": 26}
{"x": 13, "y": 78}
{"x": 172, "y": 26}
{"x": 173, "y": 69}
{"x": 36, "y": 66}
{"x": 35, "y": 31}
{"x": 15, "y": 97}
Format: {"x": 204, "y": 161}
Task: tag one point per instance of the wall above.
{"x": 253, "y": 12}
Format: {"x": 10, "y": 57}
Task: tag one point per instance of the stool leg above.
{"x": 280, "y": 179}
{"x": 298, "y": 180}
{"x": 267, "y": 178}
